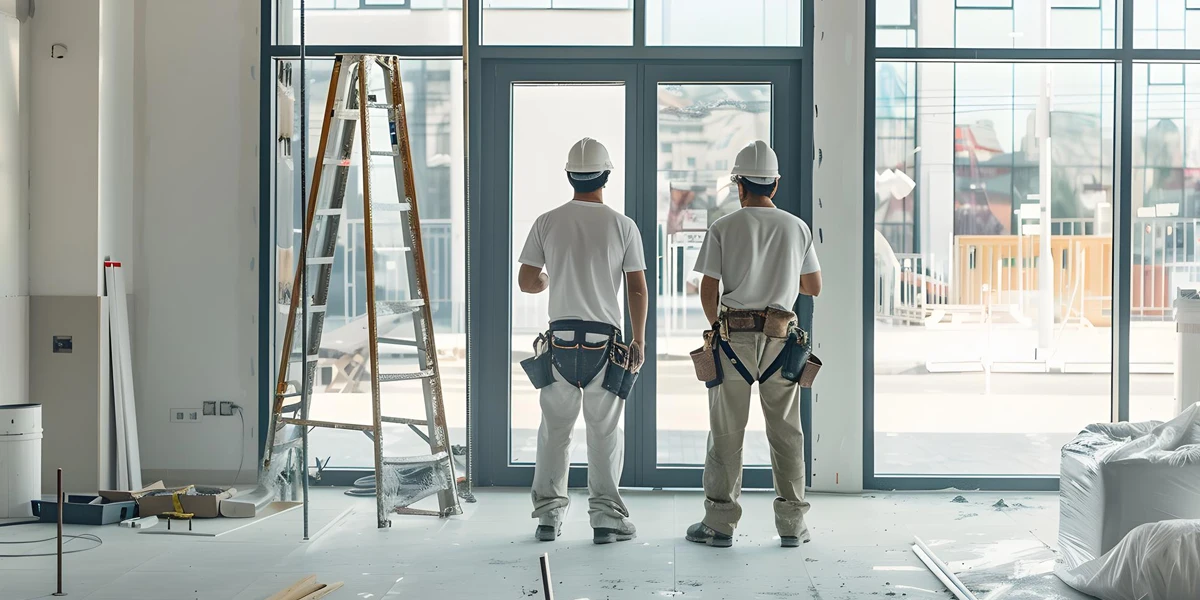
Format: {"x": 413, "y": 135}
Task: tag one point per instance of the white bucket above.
{"x": 20, "y": 459}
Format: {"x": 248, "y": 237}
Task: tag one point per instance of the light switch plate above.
{"x": 210, "y": 408}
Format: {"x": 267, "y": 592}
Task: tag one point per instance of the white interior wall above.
{"x": 837, "y": 408}
{"x": 64, "y": 157}
{"x": 196, "y": 282}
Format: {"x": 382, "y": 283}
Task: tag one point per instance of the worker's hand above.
{"x": 636, "y": 356}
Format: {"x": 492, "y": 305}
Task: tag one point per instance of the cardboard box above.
{"x": 130, "y": 495}
{"x": 203, "y": 502}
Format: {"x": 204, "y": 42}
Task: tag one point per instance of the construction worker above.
{"x": 763, "y": 257}
{"x": 587, "y": 249}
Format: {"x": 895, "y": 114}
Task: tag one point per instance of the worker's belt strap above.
{"x": 738, "y": 321}
{"x": 736, "y": 362}
{"x": 582, "y": 328}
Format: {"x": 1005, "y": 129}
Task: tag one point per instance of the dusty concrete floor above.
{"x": 860, "y": 549}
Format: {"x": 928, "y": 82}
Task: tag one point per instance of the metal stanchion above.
{"x": 61, "y": 501}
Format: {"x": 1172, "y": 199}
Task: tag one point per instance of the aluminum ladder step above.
{"x": 416, "y": 376}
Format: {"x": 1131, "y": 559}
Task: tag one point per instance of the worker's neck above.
{"x": 757, "y": 202}
{"x": 596, "y": 196}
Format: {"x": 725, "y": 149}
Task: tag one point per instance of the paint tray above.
{"x": 84, "y": 509}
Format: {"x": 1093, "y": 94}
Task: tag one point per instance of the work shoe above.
{"x": 794, "y": 541}
{"x": 609, "y": 535}
{"x": 548, "y": 533}
{"x": 703, "y": 534}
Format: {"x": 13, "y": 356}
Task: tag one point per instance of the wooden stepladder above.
{"x": 392, "y": 233}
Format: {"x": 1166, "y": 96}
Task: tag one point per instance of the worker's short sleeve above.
{"x": 810, "y": 264}
{"x": 635, "y": 256}
{"x": 708, "y": 262}
{"x": 533, "y": 254}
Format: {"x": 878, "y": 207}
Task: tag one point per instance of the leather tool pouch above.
{"x": 578, "y": 362}
{"x": 796, "y": 354}
{"x": 779, "y": 323}
{"x": 704, "y": 359}
{"x": 809, "y": 374}
{"x": 537, "y": 368}
{"x": 617, "y": 377}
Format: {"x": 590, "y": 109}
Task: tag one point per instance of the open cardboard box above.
{"x": 154, "y": 499}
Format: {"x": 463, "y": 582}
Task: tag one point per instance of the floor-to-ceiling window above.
{"x": 1033, "y": 223}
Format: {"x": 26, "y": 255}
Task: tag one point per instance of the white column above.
{"x": 14, "y": 209}
{"x": 838, "y": 63}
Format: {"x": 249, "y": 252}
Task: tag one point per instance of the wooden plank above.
{"x": 287, "y": 592}
{"x": 128, "y": 400}
{"x": 304, "y": 591}
{"x": 325, "y": 591}
{"x": 114, "y": 361}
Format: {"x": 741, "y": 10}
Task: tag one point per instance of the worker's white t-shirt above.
{"x": 758, "y": 254}
{"x": 586, "y": 248}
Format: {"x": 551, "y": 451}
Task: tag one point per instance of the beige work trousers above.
{"x": 728, "y": 413}
{"x": 602, "y": 410}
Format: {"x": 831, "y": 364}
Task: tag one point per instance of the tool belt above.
{"x": 795, "y": 361}
{"x": 579, "y": 361}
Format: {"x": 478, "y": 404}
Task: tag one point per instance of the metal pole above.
{"x": 547, "y": 585}
{"x": 304, "y": 262}
{"x": 61, "y": 499}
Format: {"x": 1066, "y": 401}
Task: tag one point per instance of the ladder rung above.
{"x": 385, "y": 308}
{"x": 403, "y": 421}
{"x": 313, "y": 358}
{"x": 329, "y": 212}
{"x": 380, "y": 105}
{"x": 391, "y": 249}
{"x": 389, "y": 206}
{"x": 319, "y": 260}
{"x": 398, "y": 342}
{"x": 346, "y": 114}
{"x": 386, "y": 377}
{"x": 414, "y": 461}
{"x": 329, "y": 424}
{"x": 391, "y": 153}
{"x": 287, "y": 308}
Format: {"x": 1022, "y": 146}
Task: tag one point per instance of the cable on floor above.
{"x": 83, "y": 536}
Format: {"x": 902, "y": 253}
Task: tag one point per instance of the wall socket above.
{"x": 186, "y": 415}
{"x": 226, "y": 409}
{"x": 210, "y": 408}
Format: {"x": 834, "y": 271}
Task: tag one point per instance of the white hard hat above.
{"x": 588, "y": 156}
{"x": 757, "y": 162}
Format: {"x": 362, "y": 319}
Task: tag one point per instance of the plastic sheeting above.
{"x": 1158, "y": 561}
{"x": 1118, "y": 476}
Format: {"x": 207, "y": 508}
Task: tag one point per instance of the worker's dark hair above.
{"x": 758, "y": 189}
{"x": 588, "y": 182}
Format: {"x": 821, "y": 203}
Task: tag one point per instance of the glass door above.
{"x": 673, "y": 132}
{"x": 539, "y": 111}
{"x": 696, "y": 120}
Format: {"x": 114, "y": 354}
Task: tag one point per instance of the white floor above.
{"x": 860, "y": 549}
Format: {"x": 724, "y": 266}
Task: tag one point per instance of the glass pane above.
{"x": 999, "y": 23}
{"x": 1166, "y": 228}
{"x": 558, "y": 22}
{"x": 700, "y": 129}
{"x": 1166, "y": 24}
{"x": 341, "y": 393}
{"x": 547, "y": 119}
{"x": 719, "y": 23}
{"x": 984, "y": 363}
{"x": 367, "y": 22}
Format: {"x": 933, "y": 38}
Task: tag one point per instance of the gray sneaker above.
{"x": 609, "y": 535}
{"x": 794, "y": 541}
{"x": 548, "y": 533}
{"x": 703, "y": 534}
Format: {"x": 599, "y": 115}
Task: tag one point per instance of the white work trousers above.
{"x": 602, "y": 410}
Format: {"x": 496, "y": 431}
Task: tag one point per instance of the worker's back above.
{"x": 758, "y": 254}
{"x": 586, "y": 248}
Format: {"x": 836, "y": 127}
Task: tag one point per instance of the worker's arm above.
{"x": 710, "y": 297}
{"x": 639, "y": 303}
{"x": 810, "y": 284}
{"x": 532, "y": 280}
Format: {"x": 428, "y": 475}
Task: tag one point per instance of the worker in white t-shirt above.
{"x": 588, "y": 250}
{"x": 764, "y": 259}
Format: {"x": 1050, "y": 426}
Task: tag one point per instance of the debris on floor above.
{"x": 307, "y": 589}
{"x": 959, "y": 500}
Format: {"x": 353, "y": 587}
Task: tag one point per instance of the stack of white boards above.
{"x": 129, "y": 462}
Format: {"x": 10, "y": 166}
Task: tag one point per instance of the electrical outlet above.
{"x": 185, "y": 415}
{"x": 210, "y": 408}
{"x": 226, "y": 409}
